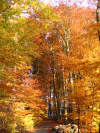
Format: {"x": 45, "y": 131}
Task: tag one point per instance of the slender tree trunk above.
{"x": 98, "y": 16}
{"x": 58, "y": 94}
{"x": 78, "y": 118}
{"x": 49, "y": 103}
{"x": 54, "y": 86}
{"x": 58, "y": 108}
{"x": 54, "y": 93}
{"x": 64, "y": 102}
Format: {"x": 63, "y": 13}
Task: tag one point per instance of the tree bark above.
{"x": 98, "y": 16}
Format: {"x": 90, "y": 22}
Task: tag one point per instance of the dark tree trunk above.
{"x": 78, "y": 118}
{"x": 54, "y": 85}
{"x": 98, "y": 16}
{"x": 49, "y": 104}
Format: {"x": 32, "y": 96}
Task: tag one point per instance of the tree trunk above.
{"x": 78, "y": 118}
{"x": 49, "y": 103}
{"x": 98, "y": 16}
{"x": 54, "y": 86}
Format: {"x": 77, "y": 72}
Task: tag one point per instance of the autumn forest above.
{"x": 49, "y": 64}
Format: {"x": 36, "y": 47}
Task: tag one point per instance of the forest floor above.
{"x": 45, "y": 127}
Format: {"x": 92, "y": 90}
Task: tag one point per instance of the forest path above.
{"x": 44, "y": 128}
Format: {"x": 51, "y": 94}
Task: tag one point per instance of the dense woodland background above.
{"x": 49, "y": 65}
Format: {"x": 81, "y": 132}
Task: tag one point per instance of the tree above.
{"x": 67, "y": 75}
{"x": 98, "y": 15}
{"x": 18, "y": 49}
